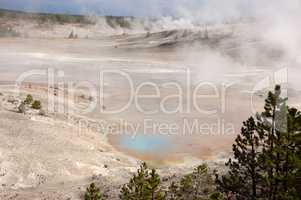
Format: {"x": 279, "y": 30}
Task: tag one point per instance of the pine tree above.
{"x": 277, "y": 154}
{"x": 267, "y": 125}
{"x": 154, "y": 185}
{"x": 173, "y": 193}
{"x": 293, "y": 163}
{"x": 197, "y": 185}
{"x": 272, "y": 171}
{"x": 93, "y": 193}
{"x": 145, "y": 185}
{"x": 242, "y": 180}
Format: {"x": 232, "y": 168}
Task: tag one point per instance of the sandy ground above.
{"x": 46, "y": 151}
{"x": 46, "y": 157}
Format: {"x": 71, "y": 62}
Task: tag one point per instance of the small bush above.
{"x": 216, "y": 196}
{"x": 36, "y": 105}
{"x": 28, "y": 99}
{"x": 22, "y": 108}
{"x": 92, "y": 193}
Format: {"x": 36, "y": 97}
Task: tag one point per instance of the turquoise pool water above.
{"x": 145, "y": 143}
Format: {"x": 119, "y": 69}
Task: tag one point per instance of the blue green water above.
{"x": 145, "y": 143}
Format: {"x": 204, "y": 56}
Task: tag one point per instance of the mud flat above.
{"x": 47, "y": 157}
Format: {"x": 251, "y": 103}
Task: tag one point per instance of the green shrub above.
{"x": 36, "y": 105}
{"x": 28, "y": 99}
{"x": 216, "y": 196}
{"x": 92, "y": 193}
